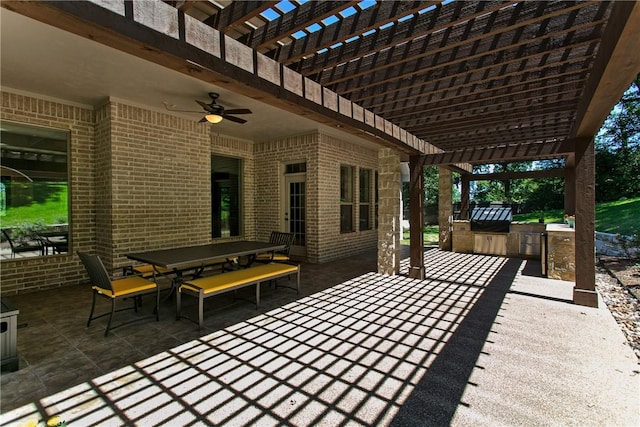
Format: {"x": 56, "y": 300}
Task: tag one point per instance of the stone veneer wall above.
{"x": 445, "y": 209}
{"x": 54, "y": 271}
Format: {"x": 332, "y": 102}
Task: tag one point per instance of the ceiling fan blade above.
{"x": 235, "y": 119}
{"x": 206, "y": 107}
{"x": 238, "y": 111}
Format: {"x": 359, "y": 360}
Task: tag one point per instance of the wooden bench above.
{"x": 205, "y": 287}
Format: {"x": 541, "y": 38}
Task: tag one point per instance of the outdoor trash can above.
{"x": 8, "y": 332}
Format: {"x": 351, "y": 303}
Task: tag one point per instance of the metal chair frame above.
{"x": 101, "y": 282}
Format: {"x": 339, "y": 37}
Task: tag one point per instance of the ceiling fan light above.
{"x": 213, "y": 118}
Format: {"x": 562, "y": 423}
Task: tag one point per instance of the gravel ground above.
{"x": 623, "y": 305}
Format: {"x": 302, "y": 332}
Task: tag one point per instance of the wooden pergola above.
{"x": 481, "y": 81}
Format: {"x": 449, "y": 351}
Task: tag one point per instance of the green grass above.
{"x": 550, "y": 217}
{"x": 622, "y": 216}
{"x": 430, "y": 236}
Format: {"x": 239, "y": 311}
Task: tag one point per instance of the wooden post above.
{"x": 584, "y": 292}
{"x": 416, "y": 220}
{"x": 570, "y": 188}
{"x": 464, "y": 197}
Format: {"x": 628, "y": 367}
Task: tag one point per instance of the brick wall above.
{"x": 160, "y": 184}
{"x": 332, "y": 153}
{"x": 140, "y": 180}
{"x": 54, "y": 271}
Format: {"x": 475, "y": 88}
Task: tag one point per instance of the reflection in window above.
{"x": 346, "y": 199}
{"x": 34, "y": 191}
{"x": 225, "y": 196}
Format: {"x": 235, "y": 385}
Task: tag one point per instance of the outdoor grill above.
{"x": 493, "y": 219}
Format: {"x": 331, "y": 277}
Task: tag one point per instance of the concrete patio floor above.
{"x": 482, "y": 341}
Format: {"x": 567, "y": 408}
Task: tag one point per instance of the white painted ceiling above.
{"x": 36, "y": 58}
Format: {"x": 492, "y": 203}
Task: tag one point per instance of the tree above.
{"x": 617, "y": 148}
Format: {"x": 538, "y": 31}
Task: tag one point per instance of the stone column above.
{"x": 584, "y": 293}
{"x": 444, "y": 208}
{"x": 389, "y": 213}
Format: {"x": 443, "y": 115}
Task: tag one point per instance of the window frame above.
{"x": 364, "y": 222}
{"x": 50, "y": 246}
{"x": 347, "y": 199}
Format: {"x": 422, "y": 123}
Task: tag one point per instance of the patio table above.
{"x": 179, "y": 259}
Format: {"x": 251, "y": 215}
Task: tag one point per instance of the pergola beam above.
{"x": 502, "y": 176}
{"x": 503, "y": 153}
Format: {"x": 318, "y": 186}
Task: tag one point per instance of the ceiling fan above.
{"x": 215, "y": 113}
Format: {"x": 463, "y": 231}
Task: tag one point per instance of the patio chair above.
{"x": 115, "y": 289}
{"x": 22, "y": 246}
{"x": 278, "y": 238}
{"x": 58, "y": 245}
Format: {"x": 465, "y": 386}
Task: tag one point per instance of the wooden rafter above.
{"x": 352, "y": 26}
{"x": 517, "y": 67}
{"x": 237, "y": 13}
{"x": 438, "y": 19}
{"x": 298, "y": 19}
{"x": 443, "y": 41}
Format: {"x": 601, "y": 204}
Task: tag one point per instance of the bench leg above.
{"x": 200, "y": 311}
{"x": 257, "y": 294}
{"x": 298, "y": 281}
{"x": 178, "y": 303}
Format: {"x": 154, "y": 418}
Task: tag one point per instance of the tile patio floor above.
{"x": 482, "y": 341}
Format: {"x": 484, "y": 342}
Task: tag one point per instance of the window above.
{"x": 365, "y": 199}
{"x": 346, "y": 199}
{"x": 34, "y": 191}
{"x": 225, "y": 196}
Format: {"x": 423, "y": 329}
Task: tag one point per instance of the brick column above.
{"x": 103, "y": 157}
{"x": 444, "y": 208}
{"x": 389, "y": 213}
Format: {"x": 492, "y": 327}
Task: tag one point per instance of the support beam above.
{"x": 465, "y": 196}
{"x": 570, "y": 191}
{"x": 503, "y": 153}
{"x": 416, "y": 220}
{"x": 584, "y": 292}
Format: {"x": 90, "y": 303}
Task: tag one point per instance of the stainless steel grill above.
{"x": 494, "y": 219}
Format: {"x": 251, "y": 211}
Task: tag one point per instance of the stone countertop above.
{"x": 560, "y": 227}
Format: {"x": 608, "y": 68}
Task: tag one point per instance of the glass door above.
{"x": 295, "y": 217}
